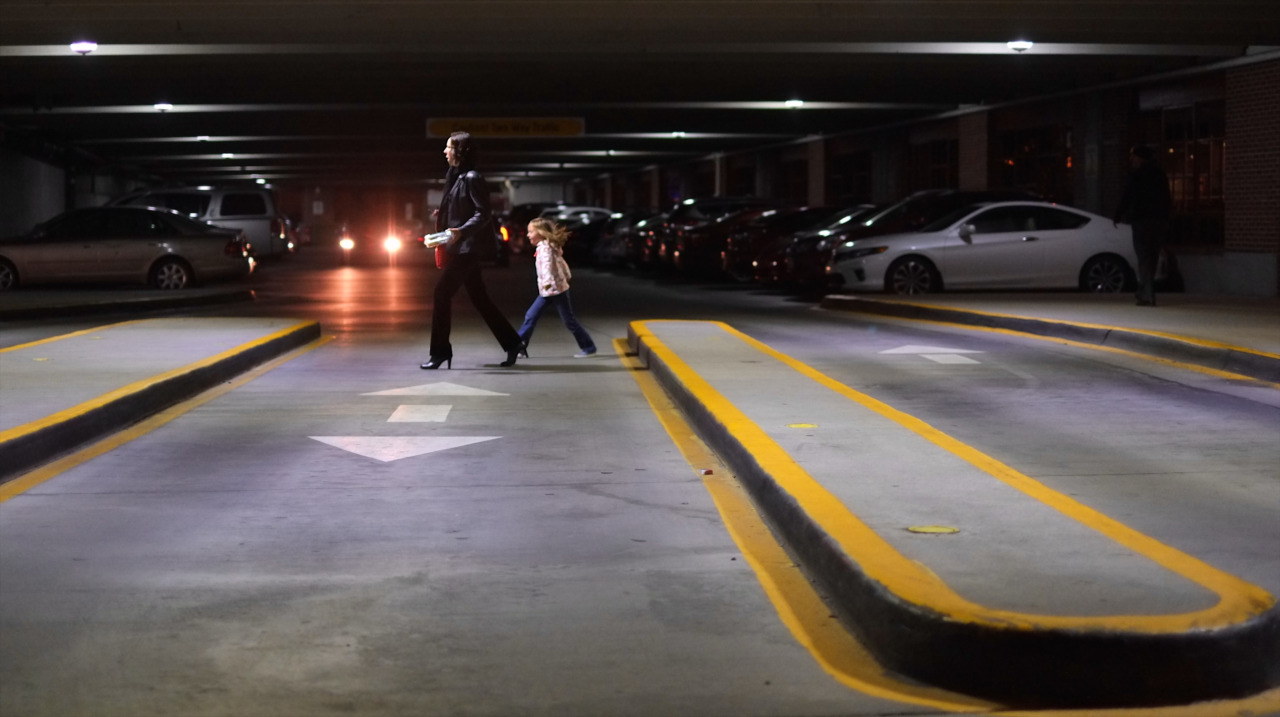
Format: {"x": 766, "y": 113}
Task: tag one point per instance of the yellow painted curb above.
{"x": 1238, "y": 600}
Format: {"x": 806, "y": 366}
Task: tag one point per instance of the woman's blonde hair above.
{"x": 555, "y": 233}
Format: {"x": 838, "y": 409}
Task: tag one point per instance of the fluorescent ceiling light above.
{"x": 162, "y": 106}
{"x": 83, "y": 47}
{"x": 1020, "y": 45}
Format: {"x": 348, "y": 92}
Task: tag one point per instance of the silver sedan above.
{"x": 124, "y": 244}
{"x": 998, "y": 245}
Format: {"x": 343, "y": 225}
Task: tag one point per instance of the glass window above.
{"x": 1003, "y": 219}
{"x": 243, "y": 205}
{"x": 190, "y": 205}
{"x": 135, "y": 223}
{"x": 1048, "y": 219}
{"x": 77, "y": 225}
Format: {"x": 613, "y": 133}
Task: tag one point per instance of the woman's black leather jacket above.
{"x": 465, "y": 206}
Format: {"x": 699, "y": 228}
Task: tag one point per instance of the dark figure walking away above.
{"x": 464, "y": 211}
{"x": 1148, "y": 205}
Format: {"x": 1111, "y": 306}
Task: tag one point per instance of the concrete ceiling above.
{"x": 311, "y": 92}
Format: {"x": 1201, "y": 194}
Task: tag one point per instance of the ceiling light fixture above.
{"x": 227, "y": 155}
{"x": 794, "y": 104}
{"x": 83, "y": 47}
{"x": 1020, "y": 45}
{"x": 678, "y": 135}
{"x": 202, "y": 138}
{"x": 162, "y": 106}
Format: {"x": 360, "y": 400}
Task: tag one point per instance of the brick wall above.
{"x": 1253, "y": 158}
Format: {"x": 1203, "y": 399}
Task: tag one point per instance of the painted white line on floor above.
{"x": 929, "y": 350}
{"x": 949, "y": 358}
{"x": 387, "y": 449}
{"x": 420, "y": 414}
{"x": 442, "y": 388}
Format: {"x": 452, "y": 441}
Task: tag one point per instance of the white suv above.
{"x": 252, "y": 210}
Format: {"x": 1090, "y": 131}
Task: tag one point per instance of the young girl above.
{"x": 553, "y": 284}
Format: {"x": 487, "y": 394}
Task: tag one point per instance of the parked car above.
{"x": 692, "y": 214}
{"x": 745, "y": 244}
{"x": 805, "y": 266}
{"x": 124, "y": 244}
{"x": 611, "y": 247}
{"x": 642, "y": 242}
{"x": 700, "y": 249}
{"x": 250, "y": 209}
{"x": 805, "y": 257}
{"x": 585, "y": 225}
{"x": 1000, "y": 245}
{"x": 770, "y": 266}
{"x": 516, "y": 222}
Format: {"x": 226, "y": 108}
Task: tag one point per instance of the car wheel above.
{"x": 1104, "y": 275}
{"x": 8, "y": 276}
{"x": 912, "y": 275}
{"x": 171, "y": 273}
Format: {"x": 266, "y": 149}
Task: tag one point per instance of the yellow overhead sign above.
{"x": 442, "y": 127}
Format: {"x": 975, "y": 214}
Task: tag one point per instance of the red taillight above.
{"x": 506, "y": 236}
{"x": 277, "y": 228}
{"x": 237, "y": 247}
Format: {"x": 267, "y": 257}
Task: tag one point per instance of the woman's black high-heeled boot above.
{"x": 434, "y": 363}
{"x": 512, "y": 354}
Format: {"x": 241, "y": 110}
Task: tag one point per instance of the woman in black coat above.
{"x": 464, "y": 211}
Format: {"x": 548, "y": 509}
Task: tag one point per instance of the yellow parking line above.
{"x": 799, "y": 607}
{"x": 60, "y": 337}
{"x": 1238, "y": 600}
{"x": 137, "y": 386}
{"x": 33, "y": 478}
{"x": 1207, "y": 343}
{"x": 1182, "y": 365}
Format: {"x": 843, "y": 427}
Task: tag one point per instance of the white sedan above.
{"x": 998, "y": 245}
{"x": 124, "y": 244}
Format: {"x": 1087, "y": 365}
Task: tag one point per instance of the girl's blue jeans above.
{"x": 565, "y": 307}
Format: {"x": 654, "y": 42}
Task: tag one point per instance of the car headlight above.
{"x": 852, "y": 251}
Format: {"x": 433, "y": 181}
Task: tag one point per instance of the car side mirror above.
{"x": 966, "y": 231}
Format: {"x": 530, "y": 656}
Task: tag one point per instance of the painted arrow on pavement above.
{"x": 443, "y": 388}
{"x": 937, "y": 354}
{"x": 393, "y": 448}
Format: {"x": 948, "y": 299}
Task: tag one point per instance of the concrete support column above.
{"x": 655, "y": 189}
{"x": 721, "y": 180}
{"x": 973, "y": 153}
{"x": 1252, "y": 197}
{"x": 766, "y": 169}
{"x": 886, "y": 172}
{"x": 818, "y": 172}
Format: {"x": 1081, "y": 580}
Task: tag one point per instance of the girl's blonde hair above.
{"x": 555, "y": 233}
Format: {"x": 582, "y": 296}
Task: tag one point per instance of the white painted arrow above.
{"x": 937, "y": 354}
{"x": 420, "y": 414}
{"x": 443, "y": 388}
{"x": 387, "y": 449}
{"x": 930, "y": 350}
